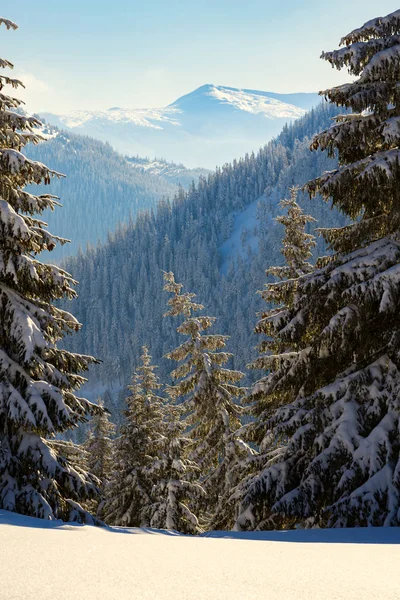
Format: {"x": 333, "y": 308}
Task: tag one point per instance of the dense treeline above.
{"x": 120, "y": 300}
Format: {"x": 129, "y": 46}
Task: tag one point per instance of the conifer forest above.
{"x": 202, "y": 350}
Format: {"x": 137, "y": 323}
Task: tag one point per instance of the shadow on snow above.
{"x": 362, "y": 535}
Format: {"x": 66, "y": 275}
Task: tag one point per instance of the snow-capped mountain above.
{"x": 209, "y": 126}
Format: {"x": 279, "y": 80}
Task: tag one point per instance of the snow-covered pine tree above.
{"x": 176, "y": 489}
{"x": 335, "y": 396}
{"x": 108, "y": 400}
{"x": 37, "y": 380}
{"x": 75, "y": 454}
{"x": 99, "y": 450}
{"x": 296, "y": 249}
{"x": 207, "y": 391}
{"x": 129, "y": 497}
{"x": 297, "y": 245}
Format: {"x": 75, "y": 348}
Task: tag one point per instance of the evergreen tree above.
{"x": 108, "y": 400}
{"x": 99, "y": 450}
{"x": 176, "y": 490}
{"x": 332, "y": 402}
{"x": 296, "y": 244}
{"x": 77, "y": 455}
{"x": 211, "y": 414}
{"x": 37, "y": 380}
{"x": 296, "y": 249}
{"x": 129, "y": 493}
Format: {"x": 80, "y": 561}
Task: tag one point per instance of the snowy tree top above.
{"x": 373, "y": 53}
{"x": 367, "y": 140}
{"x": 180, "y": 304}
{"x": 378, "y": 27}
{"x": 7, "y": 23}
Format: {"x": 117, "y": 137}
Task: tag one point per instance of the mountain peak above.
{"x": 215, "y": 98}
{"x": 208, "y": 126}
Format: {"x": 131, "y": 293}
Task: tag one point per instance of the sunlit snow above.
{"x": 142, "y": 117}
{"x": 47, "y": 560}
{"x": 256, "y": 104}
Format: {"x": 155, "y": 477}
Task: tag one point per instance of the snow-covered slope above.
{"x": 268, "y": 104}
{"x": 209, "y": 126}
{"x": 48, "y": 560}
{"x": 178, "y": 174}
{"x": 243, "y": 236}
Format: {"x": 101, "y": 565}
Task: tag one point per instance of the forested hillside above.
{"x": 100, "y": 191}
{"x": 121, "y": 302}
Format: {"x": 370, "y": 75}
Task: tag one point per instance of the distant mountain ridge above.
{"x": 171, "y": 172}
{"x": 302, "y": 100}
{"x": 207, "y": 127}
{"x": 101, "y": 190}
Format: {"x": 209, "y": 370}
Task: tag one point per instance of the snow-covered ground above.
{"x": 43, "y": 560}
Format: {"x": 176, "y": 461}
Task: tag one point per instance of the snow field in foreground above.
{"x": 43, "y": 560}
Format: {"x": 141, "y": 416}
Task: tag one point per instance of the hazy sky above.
{"x": 97, "y": 54}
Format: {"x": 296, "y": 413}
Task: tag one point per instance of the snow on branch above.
{"x": 361, "y": 130}
{"x": 8, "y": 24}
{"x": 15, "y": 162}
{"x": 5, "y": 64}
{"x": 15, "y": 83}
{"x": 17, "y": 121}
{"x": 378, "y": 27}
{"x": 380, "y": 163}
{"x": 10, "y": 101}
{"x": 356, "y": 56}
{"x": 384, "y": 63}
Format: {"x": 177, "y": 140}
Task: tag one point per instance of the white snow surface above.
{"x": 253, "y": 102}
{"x": 50, "y": 559}
{"x": 143, "y": 117}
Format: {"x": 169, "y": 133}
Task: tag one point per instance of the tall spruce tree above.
{"x": 297, "y": 245}
{"x": 296, "y": 249}
{"x": 129, "y": 496}
{"x": 333, "y": 399}
{"x": 99, "y": 451}
{"x": 176, "y": 489}
{"x": 37, "y": 380}
{"x": 207, "y": 391}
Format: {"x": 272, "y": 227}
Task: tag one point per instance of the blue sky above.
{"x": 95, "y": 54}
